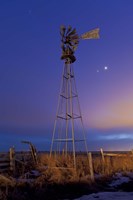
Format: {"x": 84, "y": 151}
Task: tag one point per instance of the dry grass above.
{"x": 60, "y": 168}
{"x": 113, "y": 164}
{"x": 58, "y": 178}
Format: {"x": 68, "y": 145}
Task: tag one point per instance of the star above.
{"x": 105, "y": 68}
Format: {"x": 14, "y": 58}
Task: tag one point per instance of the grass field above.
{"x": 55, "y": 178}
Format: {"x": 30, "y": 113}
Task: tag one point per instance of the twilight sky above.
{"x": 31, "y": 69}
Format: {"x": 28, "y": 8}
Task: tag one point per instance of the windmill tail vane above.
{"x": 93, "y": 34}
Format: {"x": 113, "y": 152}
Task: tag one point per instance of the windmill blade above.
{"x": 62, "y": 30}
{"x": 62, "y": 46}
{"x": 94, "y": 34}
{"x": 75, "y": 47}
{"x": 74, "y": 37}
{"x": 69, "y": 29}
{"x": 72, "y": 32}
{"x": 62, "y": 27}
{"x": 75, "y": 41}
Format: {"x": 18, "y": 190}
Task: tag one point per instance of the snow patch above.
{"x": 119, "y": 179}
{"x": 108, "y": 196}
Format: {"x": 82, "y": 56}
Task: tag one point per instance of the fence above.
{"x": 7, "y": 161}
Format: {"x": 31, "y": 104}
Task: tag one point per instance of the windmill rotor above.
{"x": 70, "y": 40}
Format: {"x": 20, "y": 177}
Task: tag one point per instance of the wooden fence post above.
{"x": 102, "y": 154}
{"x": 103, "y": 160}
{"x": 12, "y": 159}
{"x": 91, "y": 167}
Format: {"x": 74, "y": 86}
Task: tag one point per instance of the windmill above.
{"x": 67, "y": 135}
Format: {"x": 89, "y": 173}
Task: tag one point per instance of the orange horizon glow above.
{"x": 114, "y": 114}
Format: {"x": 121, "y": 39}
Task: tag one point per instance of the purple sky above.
{"x": 30, "y": 70}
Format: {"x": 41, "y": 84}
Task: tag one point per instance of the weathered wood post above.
{"x": 103, "y": 161}
{"x": 34, "y": 153}
{"x": 91, "y": 167}
{"x": 12, "y": 159}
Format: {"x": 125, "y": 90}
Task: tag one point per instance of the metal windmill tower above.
{"x": 68, "y": 134}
